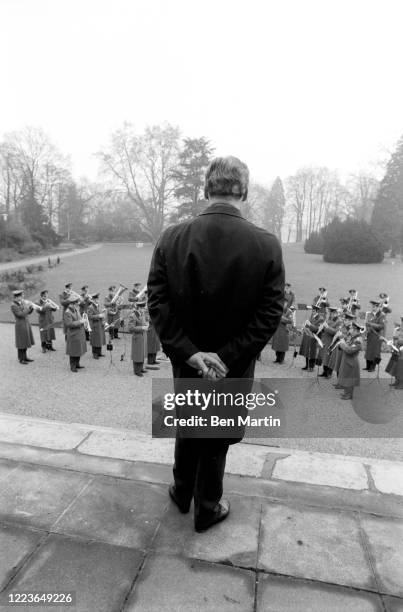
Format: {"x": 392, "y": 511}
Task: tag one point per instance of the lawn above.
{"x": 124, "y": 263}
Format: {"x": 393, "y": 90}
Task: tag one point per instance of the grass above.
{"x": 124, "y": 263}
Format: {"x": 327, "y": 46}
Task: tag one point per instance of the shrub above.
{"x": 351, "y": 241}
{"x": 30, "y": 247}
{"x": 8, "y": 254}
{"x": 314, "y": 244}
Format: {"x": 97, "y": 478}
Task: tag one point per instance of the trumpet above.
{"x": 321, "y": 298}
{"x": 52, "y": 304}
{"x": 75, "y": 295}
{"x": 32, "y": 305}
{"x": 115, "y": 299}
{"x": 353, "y": 300}
{"x": 390, "y": 343}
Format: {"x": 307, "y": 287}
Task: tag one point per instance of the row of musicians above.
{"x": 339, "y": 323}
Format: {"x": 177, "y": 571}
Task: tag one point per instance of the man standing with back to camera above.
{"x": 215, "y": 297}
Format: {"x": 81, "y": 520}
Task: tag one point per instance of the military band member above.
{"x": 134, "y": 292}
{"x": 76, "y": 344}
{"x": 97, "y": 323}
{"x": 85, "y": 302}
{"x": 46, "y": 322}
{"x": 395, "y": 365}
{"x": 137, "y": 325}
{"x": 336, "y": 354}
{"x": 309, "y": 344}
{"x": 64, "y": 299}
{"x": 375, "y": 324}
{"x": 153, "y": 344}
{"x": 353, "y": 303}
{"x": 281, "y": 338}
{"x": 349, "y": 375}
{"x": 289, "y": 295}
{"x": 321, "y": 301}
{"x": 24, "y": 338}
{"x": 331, "y": 327}
{"x": 112, "y": 311}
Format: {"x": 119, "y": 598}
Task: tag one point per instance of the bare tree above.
{"x": 142, "y": 167}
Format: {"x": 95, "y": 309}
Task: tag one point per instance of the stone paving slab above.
{"x": 173, "y": 584}
{"x": 176, "y": 535}
{"x": 385, "y": 539}
{"x": 315, "y": 544}
{"x": 393, "y": 604}
{"x": 115, "y": 511}
{"x": 322, "y": 471}
{"x": 278, "y": 594}
{"x": 58, "y": 436}
{"x": 388, "y": 478}
{"x": 127, "y": 445}
{"x": 100, "y": 575}
{"x": 16, "y": 544}
{"x": 38, "y": 496}
{"x": 6, "y": 469}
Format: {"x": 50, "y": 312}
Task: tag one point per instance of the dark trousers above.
{"x": 22, "y": 354}
{"x": 151, "y": 358}
{"x": 74, "y": 362}
{"x": 198, "y": 472}
{"x": 200, "y": 462}
{"x": 280, "y": 356}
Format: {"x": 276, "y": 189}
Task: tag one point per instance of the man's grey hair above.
{"x": 226, "y": 176}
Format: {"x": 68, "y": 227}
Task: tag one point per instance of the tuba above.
{"x": 116, "y": 297}
{"x": 86, "y": 322}
{"x": 52, "y": 304}
{"x": 32, "y": 305}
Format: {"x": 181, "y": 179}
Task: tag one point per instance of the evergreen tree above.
{"x": 387, "y": 216}
{"x": 274, "y": 208}
{"x": 189, "y": 176}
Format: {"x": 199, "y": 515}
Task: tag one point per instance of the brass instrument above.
{"x": 390, "y": 343}
{"x": 322, "y": 298}
{"x": 141, "y": 293}
{"x": 353, "y": 300}
{"x": 52, "y": 304}
{"x": 74, "y": 295}
{"x": 32, "y": 305}
{"x": 86, "y": 322}
{"x": 122, "y": 289}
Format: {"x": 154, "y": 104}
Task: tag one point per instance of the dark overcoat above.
{"x": 64, "y": 302}
{"x": 375, "y": 328}
{"x": 96, "y": 319}
{"x": 45, "y": 319}
{"x": 216, "y": 283}
{"x": 327, "y": 337}
{"x": 137, "y": 324}
{"x": 76, "y": 344}
{"x": 395, "y": 364}
{"x": 349, "y": 373}
{"x": 309, "y": 345}
{"x": 24, "y": 337}
{"x": 281, "y": 338}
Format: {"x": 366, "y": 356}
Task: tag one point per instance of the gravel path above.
{"x": 21, "y": 263}
{"x": 106, "y": 394}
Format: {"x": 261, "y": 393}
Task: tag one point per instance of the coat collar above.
{"x": 222, "y": 208}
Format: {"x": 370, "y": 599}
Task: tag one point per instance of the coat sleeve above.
{"x": 254, "y": 337}
{"x": 175, "y": 342}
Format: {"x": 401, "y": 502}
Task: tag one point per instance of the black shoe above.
{"x": 276, "y": 361}
{"x": 139, "y": 374}
{"x": 96, "y": 356}
{"x": 152, "y": 367}
{"x": 305, "y": 368}
{"x": 323, "y": 375}
{"x": 80, "y": 367}
{"x": 184, "y": 508}
{"x": 23, "y": 362}
{"x": 50, "y": 348}
{"x": 365, "y": 369}
{"x": 43, "y": 350}
{"x": 221, "y": 513}
{"x": 28, "y": 360}
{"x": 73, "y": 369}
{"x": 101, "y": 355}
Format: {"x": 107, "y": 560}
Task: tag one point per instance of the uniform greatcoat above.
{"x": 349, "y": 373}
{"x": 395, "y": 364}
{"x": 45, "y": 320}
{"x": 64, "y": 299}
{"x": 97, "y": 333}
{"x": 137, "y": 324}
{"x": 327, "y": 337}
{"x": 75, "y": 342}
{"x": 376, "y": 327}
{"x": 24, "y": 337}
{"x": 309, "y": 345}
{"x": 281, "y": 337}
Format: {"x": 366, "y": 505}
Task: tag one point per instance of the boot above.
{"x": 115, "y": 334}
{"x": 21, "y": 356}
{"x": 329, "y": 372}
{"x": 371, "y": 366}
{"x": 368, "y": 364}
{"x": 78, "y": 366}
{"x": 324, "y": 373}
{"x": 311, "y": 365}
{"x": 138, "y": 368}
{"x": 306, "y": 364}
{"x": 94, "y": 353}
{"x": 50, "y": 346}
{"x": 44, "y": 347}
{"x": 73, "y": 365}
{"x": 348, "y": 393}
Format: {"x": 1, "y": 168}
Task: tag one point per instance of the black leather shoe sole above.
{"x": 220, "y": 515}
{"x": 182, "y": 507}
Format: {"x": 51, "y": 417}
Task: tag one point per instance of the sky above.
{"x": 281, "y": 84}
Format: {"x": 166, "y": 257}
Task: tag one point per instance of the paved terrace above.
{"x": 85, "y": 509}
